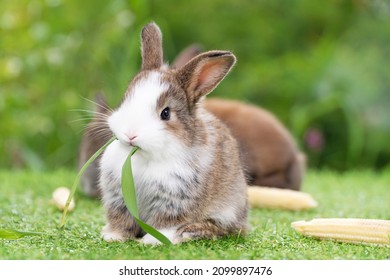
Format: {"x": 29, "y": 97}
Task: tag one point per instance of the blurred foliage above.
{"x": 322, "y": 67}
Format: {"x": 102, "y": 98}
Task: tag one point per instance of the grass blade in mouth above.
{"x": 130, "y": 198}
{"x": 75, "y": 183}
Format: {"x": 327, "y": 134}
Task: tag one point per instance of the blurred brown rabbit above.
{"x": 268, "y": 152}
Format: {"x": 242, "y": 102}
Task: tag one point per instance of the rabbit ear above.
{"x": 186, "y": 55}
{"x": 204, "y": 72}
{"x": 151, "y": 47}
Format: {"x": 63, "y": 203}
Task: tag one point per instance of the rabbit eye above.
{"x": 165, "y": 114}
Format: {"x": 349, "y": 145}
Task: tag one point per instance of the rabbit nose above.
{"x": 131, "y": 138}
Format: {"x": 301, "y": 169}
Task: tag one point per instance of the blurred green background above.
{"x": 322, "y": 67}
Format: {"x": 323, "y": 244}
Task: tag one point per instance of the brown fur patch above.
{"x": 183, "y": 123}
{"x": 151, "y": 47}
{"x": 120, "y": 220}
{"x": 204, "y": 229}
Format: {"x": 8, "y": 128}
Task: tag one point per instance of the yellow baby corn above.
{"x": 368, "y": 231}
{"x": 265, "y": 197}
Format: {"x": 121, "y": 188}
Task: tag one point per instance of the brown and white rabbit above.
{"x": 267, "y": 150}
{"x": 187, "y": 171}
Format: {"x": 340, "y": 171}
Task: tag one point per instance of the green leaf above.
{"x": 130, "y": 198}
{"x": 76, "y": 181}
{"x": 15, "y": 234}
{"x": 128, "y": 188}
{"x": 154, "y": 232}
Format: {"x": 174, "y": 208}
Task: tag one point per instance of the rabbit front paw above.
{"x": 110, "y": 235}
{"x": 170, "y": 233}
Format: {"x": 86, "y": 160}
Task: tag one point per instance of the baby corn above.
{"x": 265, "y": 197}
{"x": 368, "y": 231}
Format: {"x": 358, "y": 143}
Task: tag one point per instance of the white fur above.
{"x": 110, "y": 235}
{"x": 225, "y": 215}
{"x": 114, "y": 157}
{"x": 170, "y": 233}
{"x": 147, "y": 169}
{"x": 137, "y": 116}
{"x": 111, "y": 171}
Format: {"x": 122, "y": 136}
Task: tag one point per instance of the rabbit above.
{"x": 187, "y": 171}
{"x": 267, "y": 150}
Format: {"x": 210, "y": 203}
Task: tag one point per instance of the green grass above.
{"x": 25, "y": 205}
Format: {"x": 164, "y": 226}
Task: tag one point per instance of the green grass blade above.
{"x": 154, "y": 232}
{"x": 128, "y": 188}
{"x": 15, "y": 234}
{"x": 130, "y": 198}
{"x": 76, "y": 181}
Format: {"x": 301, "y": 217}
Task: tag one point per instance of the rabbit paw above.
{"x": 110, "y": 235}
{"x": 170, "y": 233}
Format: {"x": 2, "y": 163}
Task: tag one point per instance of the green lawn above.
{"x": 25, "y": 205}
